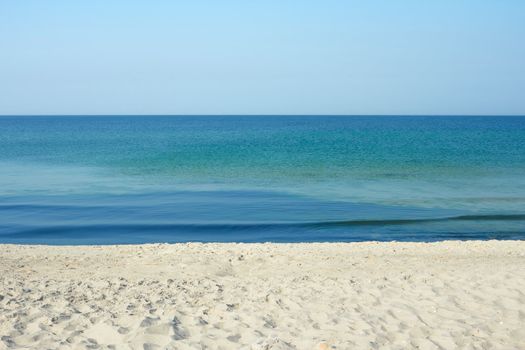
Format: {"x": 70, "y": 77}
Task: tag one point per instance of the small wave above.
{"x": 385, "y": 222}
{"x": 232, "y": 227}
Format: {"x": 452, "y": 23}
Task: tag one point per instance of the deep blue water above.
{"x": 108, "y": 179}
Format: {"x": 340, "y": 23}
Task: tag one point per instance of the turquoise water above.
{"x": 85, "y": 180}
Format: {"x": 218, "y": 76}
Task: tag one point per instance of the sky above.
{"x": 262, "y": 57}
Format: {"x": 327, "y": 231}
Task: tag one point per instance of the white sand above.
{"x": 464, "y": 295}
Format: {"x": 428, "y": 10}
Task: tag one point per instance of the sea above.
{"x": 73, "y": 180}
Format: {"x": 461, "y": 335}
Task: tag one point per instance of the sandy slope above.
{"x": 445, "y": 295}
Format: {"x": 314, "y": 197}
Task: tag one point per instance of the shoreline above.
{"x": 379, "y": 295}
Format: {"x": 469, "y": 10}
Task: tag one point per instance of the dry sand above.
{"x": 448, "y": 295}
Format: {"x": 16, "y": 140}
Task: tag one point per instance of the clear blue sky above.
{"x": 262, "y": 57}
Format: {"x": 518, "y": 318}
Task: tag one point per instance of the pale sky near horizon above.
{"x": 262, "y": 57}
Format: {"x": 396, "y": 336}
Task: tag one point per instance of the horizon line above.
{"x": 262, "y": 115}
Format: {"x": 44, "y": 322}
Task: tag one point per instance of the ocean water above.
{"x": 128, "y": 179}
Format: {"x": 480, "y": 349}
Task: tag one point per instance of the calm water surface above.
{"x": 102, "y": 180}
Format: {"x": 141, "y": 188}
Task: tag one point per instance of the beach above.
{"x": 444, "y": 295}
